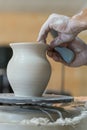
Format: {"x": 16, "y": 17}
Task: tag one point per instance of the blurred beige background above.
{"x": 21, "y": 20}
{"x": 62, "y": 6}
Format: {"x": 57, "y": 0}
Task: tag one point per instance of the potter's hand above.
{"x": 67, "y": 28}
{"x": 78, "y": 47}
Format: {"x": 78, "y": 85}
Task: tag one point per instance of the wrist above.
{"x": 77, "y": 26}
{"x": 80, "y": 20}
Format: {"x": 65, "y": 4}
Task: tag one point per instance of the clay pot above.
{"x": 28, "y": 71}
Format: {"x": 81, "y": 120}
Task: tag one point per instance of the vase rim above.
{"x": 27, "y": 43}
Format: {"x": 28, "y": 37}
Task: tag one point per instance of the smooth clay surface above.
{"x": 28, "y": 71}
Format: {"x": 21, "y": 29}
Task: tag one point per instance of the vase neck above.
{"x": 30, "y": 49}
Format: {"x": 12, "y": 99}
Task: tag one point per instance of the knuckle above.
{"x": 53, "y": 15}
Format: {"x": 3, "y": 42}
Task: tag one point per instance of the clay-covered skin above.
{"x": 67, "y": 29}
{"x": 78, "y": 47}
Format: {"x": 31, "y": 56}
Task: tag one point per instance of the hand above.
{"x": 78, "y": 47}
{"x": 66, "y": 27}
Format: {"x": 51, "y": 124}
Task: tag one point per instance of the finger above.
{"x": 44, "y": 31}
{"x": 50, "y": 48}
{"x": 57, "y": 41}
{"x": 50, "y": 53}
{"x": 61, "y": 39}
{"x": 56, "y": 57}
{"x": 59, "y": 59}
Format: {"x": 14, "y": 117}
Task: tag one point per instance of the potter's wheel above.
{"x": 48, "y": 99}
{"x": 36, "y": 117}
{"x": 35, "y": 105}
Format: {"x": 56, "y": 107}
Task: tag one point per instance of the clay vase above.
{"x": 28, "y": 70}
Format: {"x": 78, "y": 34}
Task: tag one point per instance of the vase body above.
{"x": 28, "y": 70}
